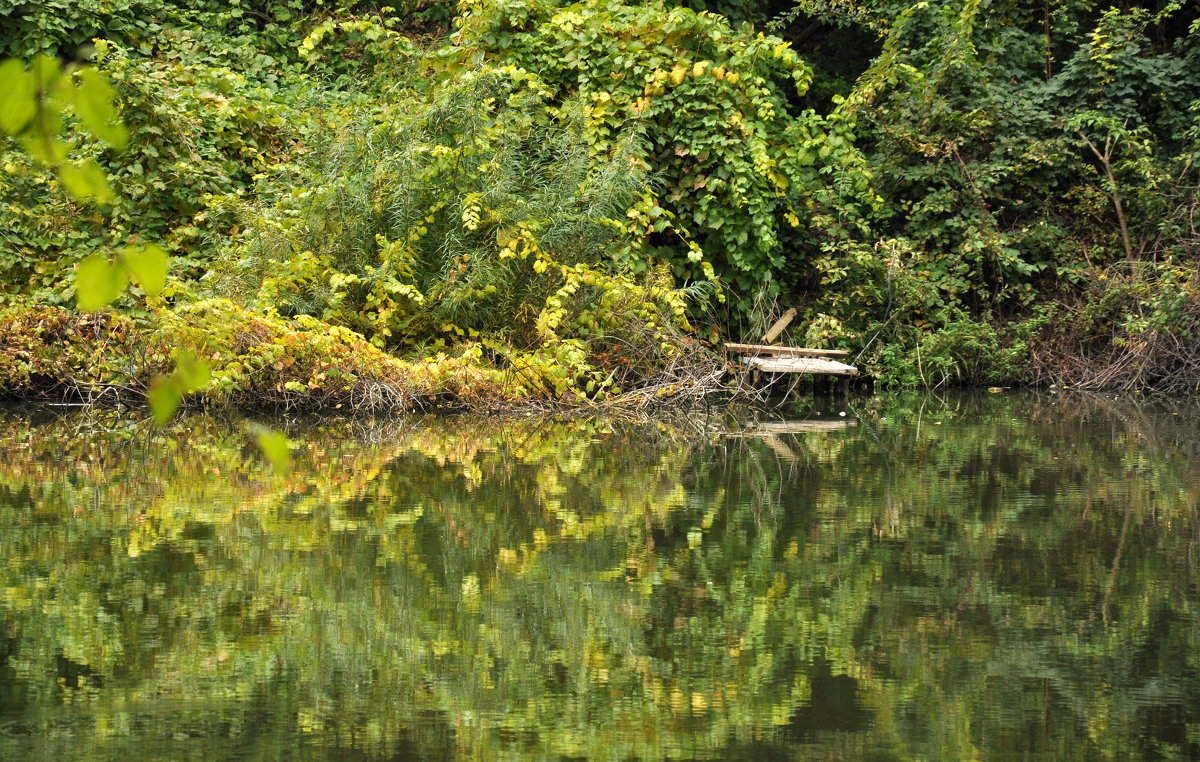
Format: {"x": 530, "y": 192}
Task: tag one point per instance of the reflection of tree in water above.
{"x": 958, "y": 576}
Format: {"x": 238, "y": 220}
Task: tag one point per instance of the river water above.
{"x": 975, "y": 576}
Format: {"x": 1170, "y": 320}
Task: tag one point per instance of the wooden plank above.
{"x": 768, "y": 351}
{"x": 780, "y": 324}
{"x": 814, "y": 365}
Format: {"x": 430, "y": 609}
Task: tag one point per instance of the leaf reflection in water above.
{"x": 973, "y": 575}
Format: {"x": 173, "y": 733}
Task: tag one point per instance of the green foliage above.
{"x": 446, "y": 219}
{"x": 31, "y": 103}
{"x": 741, "y": 171}
{"x": 33, "y": 100}
{"x": 508, "y": 196}
{"x": 63, "y": 27}
{"x": 42, "y": 348}
{"x": 360, "y": 51}
{"x": 478, "y": 215}
{"x": 1009, "y": 179}
{"x": 1128, "y": 330}
{"x": 198, "y": 135}
{"x": 201, "y": 134}
{"x": 226, "y": 354}
{"x": 99, "y": 282}
{"x": 433, "y": 217}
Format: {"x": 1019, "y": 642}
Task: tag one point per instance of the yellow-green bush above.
{"x": 263, "y": 360}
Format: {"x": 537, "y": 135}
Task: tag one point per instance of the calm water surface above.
{"x": 978, "y": 576}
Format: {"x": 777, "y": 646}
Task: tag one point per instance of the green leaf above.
{"x": 40, "y": 138}
{"x": 18, "y": 96}
{"x": 147, "y": 266}
{"x": 94, "y": 99}
{"x": 164, "y": 397}
{"x": 46, "y": 71}
{"x": 86, "y": 181}
{"x": 275, "y": 447}
{"x": 192, "y": 372}
{"x": 98, "y": 283}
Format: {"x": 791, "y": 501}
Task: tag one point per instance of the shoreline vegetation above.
{"x": 259, "y": 363}
{"x": 316, "y": 205}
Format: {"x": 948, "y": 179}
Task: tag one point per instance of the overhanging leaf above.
{"x": 147, "y": 266}
{"x": 46, "y": 71}
{"x": 192, "y": 372}
{"x": 86, "y": 181}
{"x": 94, "y": 98}
{"x": 18, "y": 91}
{"x": 275, "y": 448}
{"x": 40, "y": 138}
{"x": 98, "y": 283}
{"x": 164, "y": 398}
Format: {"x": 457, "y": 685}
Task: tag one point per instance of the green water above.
{"x": 979, "y": 576}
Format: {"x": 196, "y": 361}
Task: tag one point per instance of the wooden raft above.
{"x": 793, "y": 360}
{"x": 772, "y": 359}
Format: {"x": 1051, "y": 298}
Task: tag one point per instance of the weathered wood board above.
{"x": 765, "y": 350}
{"x": 814, "y": 365}
{"x": 779, "y": 326}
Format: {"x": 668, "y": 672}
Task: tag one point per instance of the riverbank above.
{"x": 258, "y": 361}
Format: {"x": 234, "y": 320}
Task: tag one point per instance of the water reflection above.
{"x": 970, "y": 576}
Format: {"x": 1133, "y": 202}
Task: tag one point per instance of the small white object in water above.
{"x": 842, "y": 414}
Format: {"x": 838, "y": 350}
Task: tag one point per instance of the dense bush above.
{"x": 478, "y": 214}
{"x": 1022, "y": 151}
{"x": 444, "y": 218}
{"x": 746, "y": 175}
{"x": 49, "y": 352}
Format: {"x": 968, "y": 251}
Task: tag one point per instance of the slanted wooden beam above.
{"x": 780, "y": 324}
{"x": 769, "y": 351}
